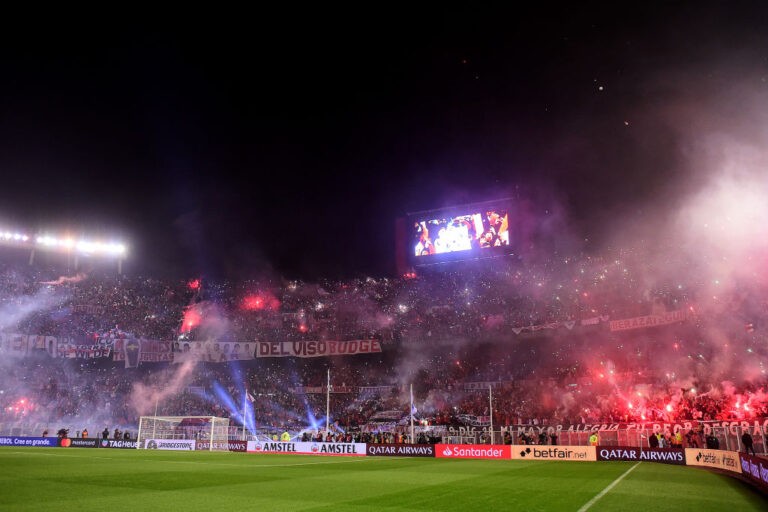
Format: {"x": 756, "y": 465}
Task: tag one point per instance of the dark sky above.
{"x": 236, "y": 142}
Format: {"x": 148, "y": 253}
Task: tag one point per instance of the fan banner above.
{"x": 212, "y": 351}
{"x": 316, "y": 348}
{"x": 756, "y": 426}
{"x": 136, "y": 351}
{"x": 641, "y": 322}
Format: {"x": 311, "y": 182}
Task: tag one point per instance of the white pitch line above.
{"x": 605, "y": 491}
{"x": 61, "y": 455}
{"x": 256, "y": 466}
{"x": 349, "y": 460}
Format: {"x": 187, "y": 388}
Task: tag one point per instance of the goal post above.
{"x": 183, "y": 433}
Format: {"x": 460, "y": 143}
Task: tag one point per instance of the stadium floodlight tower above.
{"x": 78, "y": 248}
{"x": 68, "y": 245}
{"x": 201, "y": 429}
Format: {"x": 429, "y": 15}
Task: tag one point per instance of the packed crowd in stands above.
{"x": 441, "y": 331}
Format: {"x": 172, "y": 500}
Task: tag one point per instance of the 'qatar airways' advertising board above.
{"x": 631, "y": 453}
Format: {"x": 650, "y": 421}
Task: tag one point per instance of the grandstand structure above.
{"x": 562, "y": 342}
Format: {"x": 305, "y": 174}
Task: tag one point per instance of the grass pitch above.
{"x": 82, "y": 480}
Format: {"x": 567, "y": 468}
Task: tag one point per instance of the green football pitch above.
{"x": 82, "y": 480}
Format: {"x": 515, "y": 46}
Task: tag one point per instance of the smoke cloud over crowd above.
{"x": 635, "y": 287}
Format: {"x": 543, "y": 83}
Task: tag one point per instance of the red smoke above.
{"x": 192, "y": 318}
{"x": 260, "y": 301}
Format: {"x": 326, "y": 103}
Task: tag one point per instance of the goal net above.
{"x": 183, "y": 433}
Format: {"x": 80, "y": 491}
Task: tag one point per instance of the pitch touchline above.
{"x": 605, "y": 491}
{"x": 62, "y": 455}
{"x": 257, "y": 465}
{"x": 351, "y": 460}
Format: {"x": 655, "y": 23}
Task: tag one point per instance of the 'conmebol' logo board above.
{"x": 539, "y": 452}
{"x": 472, "y": 451}
{"x": 29, "y": 441}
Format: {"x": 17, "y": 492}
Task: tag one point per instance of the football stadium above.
{"x": 444, "y": 260}
{"x": 475, "y": 381}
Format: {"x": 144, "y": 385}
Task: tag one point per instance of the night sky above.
{"x": 237, "y": 143}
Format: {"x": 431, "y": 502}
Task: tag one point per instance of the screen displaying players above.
{"x": 484, "y": 229}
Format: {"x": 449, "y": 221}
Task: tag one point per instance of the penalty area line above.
{"x": 605, "y": 491}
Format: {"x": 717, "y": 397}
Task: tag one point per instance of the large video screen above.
{"x": 464, "y": 230}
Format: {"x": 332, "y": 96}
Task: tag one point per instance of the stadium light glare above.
{"x": 86, "y": 247}
{"x": 46, "y": 241}
{"x": 83, "y": 246}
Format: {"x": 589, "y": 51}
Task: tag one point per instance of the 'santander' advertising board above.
{"x": 472, "y": 451}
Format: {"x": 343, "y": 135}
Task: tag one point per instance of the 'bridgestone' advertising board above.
{"x": 170, "y": 444}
